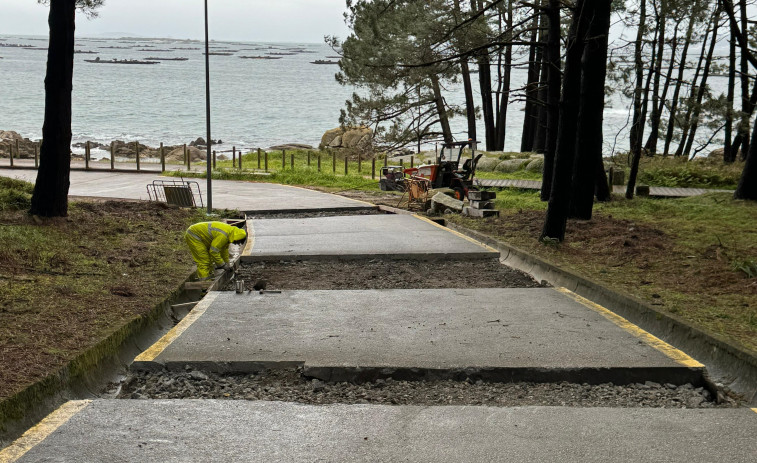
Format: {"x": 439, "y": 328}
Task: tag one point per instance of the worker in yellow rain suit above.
{"x": 209, "y": 244}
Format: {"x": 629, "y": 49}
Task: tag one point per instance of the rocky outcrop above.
{"x": 511, "y": 165}
{"x": 195, "y": 154}
{"x": 355, "y": 139}
{"x": 22, "y": 147}
{"x": 487, "y": 164}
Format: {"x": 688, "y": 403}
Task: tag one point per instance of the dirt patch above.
{"x": 292, "y": 386}
{"x": 310, "y": 215}
{"x": 380, "y": 274}
{"x": 67, "y": 284}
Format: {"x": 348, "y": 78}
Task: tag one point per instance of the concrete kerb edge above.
{"x": 726, "y": 363}
{"x": 468, "y": 256}
{"x": 265, "y": 212}
{"x": 37, "y": 400}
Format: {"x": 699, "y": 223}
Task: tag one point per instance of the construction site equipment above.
{"x": 447, "y": 172}
{"x": 182, "y": 192}
{"x": 481, "y": 204}
{"x": 392, "y": 178}
{"x": 416, "y": 193}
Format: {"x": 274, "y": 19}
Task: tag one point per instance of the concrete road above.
{"x": 362, "y": 236}
{"x": 245, "y": 196}
{"x": 499, "y": 334}
{"x": 210, "y": 430}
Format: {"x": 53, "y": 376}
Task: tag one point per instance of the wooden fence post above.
{"x": 259, "y": 158}
{"x": 266, "y": 161}
{"x": 373, "y": 168}
{"x": 36, "y": 156}
{"x": 283, "y": 159}
{"x": 186, "y": 157}
{"x": 214, "y": 159}
{"x": 86, "y": 155}
{"x": 10, "y": 150}
{"x": 112, "y": 155}
{"x": 346, "y": 165}
{"x": 291, "y": 160}
{"x": 233, "y": 156}
{"x": 402, "y": 163}
{"x": 240, "y": 158}
{"x": 412, "y": 161}
{"x": 333, "y": 161}
{"x": 308, "y": 158}
{"x": 386, "y": 160}
{"x": 359, "y": 163}
{"x": 162, "y": 158}
{"x": 136, "y": 143}
{"x": 319, "y": 162}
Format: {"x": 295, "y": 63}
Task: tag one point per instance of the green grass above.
{"x": 680, "y": 173}
{"x": 517, "y": 175}
{"x": 302, "y": 174}
{"x": 15, "y": 194}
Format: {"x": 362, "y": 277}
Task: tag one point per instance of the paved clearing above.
{"x": 233, "y": 430}
{"x": 506, "y": 334}
{"x": 381, "y": 274}
{"x": 358, "y": 237}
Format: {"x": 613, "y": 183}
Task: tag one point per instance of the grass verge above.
{"x": 68, "y": 284}
{"x": 692, "y": 257}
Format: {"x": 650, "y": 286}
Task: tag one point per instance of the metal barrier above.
{"x": 184, "y": 193}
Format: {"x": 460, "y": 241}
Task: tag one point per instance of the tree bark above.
{"x": 679, "y": 81}
{"x": 485, "y": 85}
{"x": 728, "y": 156}
{"x": 554, "y": 79}
{"x": 702, "y": 87}
{"x": 637, "y": 126}
{"x": 50, "y": 197}
{"x": 654, "y": 118}
{"x": 530, "y": 116}
{"x": 589, "y": 137}
{"x": 559, "y": 199}
{"x": 505, "y": 83}
{"x": 746, "y": 107}
{"x": 441, "y": 109}
{"x": 747, "y": 188}
{"x": 470, "y": 104}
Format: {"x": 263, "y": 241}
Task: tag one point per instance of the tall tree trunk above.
{"x": 739, "y": 140}
{"x": 654, "y": 118}
{"x": 728, "y": 156}
{"x": 505, "y": 82}
{"x": 50, "y": 197}
{"x": 554, "y": 79}
{"x": 702, "y": 87}
{"x": 559, "y": 199}
{"x": 530, "y": 116}
{"x": 441, "y": 109}
{"x": 470, "y": 104}
{"x": 485, "y": 85}
{"x": 637, "y": 126}
{"x": 686, "y": 124}
{"x": 746, "y": 107}
{"x": 540, "y": 138}
{"x": 589, "y": 138}
{"x": 679, "y": 80}
{"x": 747, "y": 188}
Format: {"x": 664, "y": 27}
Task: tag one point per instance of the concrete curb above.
{"x": 726, "y": 363}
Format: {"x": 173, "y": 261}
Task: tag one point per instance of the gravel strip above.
{"x": 291, "y": 386}
{"x": 310, "y": 215}
{"x": 380, "y": 274}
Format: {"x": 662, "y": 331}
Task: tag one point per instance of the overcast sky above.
{"x": 244, "y": 20}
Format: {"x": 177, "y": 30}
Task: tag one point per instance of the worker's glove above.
{"x": 227, "y": 266}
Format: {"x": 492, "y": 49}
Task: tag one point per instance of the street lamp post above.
{"x": 207, "y": 110}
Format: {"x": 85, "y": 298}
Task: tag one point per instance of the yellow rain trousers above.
{"x": 209, "y": 244}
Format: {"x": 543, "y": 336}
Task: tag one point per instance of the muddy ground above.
{"x": 380, "y": 274}
{"x": 292, "y": 386}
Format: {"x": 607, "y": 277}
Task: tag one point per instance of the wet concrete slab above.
{"x": 245, "y": 196}
{"x": 504, "y": 334}
{"x": 359, "y": 237}
{"x": 212, "y": 430}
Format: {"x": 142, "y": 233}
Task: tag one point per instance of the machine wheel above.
{"x": 459, "y": 194}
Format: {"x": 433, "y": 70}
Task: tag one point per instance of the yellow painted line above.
{"x": 250, "y": 239}
{"x": 653, "y": 341}
{"x": 754, "y": 410}
{"x": 456, "y": 233}
{"x": 44, "y": 428}
{"x": 156, "y": 349}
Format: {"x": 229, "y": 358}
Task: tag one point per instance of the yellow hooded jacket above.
{"x": 209, "y": 244}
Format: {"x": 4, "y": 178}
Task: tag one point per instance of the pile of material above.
{"x": 481, "y": 204}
